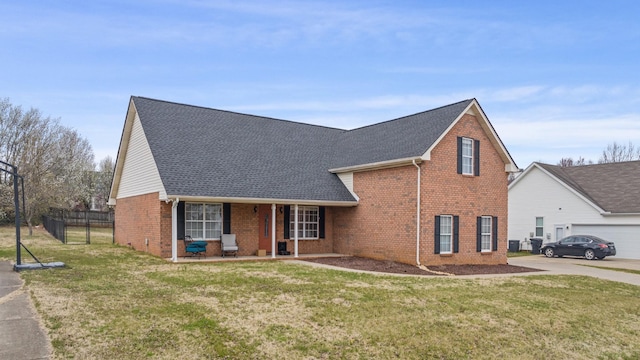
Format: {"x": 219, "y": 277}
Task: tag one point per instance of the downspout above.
{"x": 174, "y": 229}
{"x": 417, "y": 216}
{"x": 295, "y": 236}
{"x": 273, "y": 231}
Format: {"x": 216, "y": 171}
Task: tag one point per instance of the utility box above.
{"x": 262, "y": 252}
{"x": 514, "y": 245}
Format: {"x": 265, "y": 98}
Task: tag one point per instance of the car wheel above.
{"x": 589, "y": 254}
{"x": 548, "y": 252}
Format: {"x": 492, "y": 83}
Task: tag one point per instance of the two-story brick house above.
{"x": 429, "y": 188}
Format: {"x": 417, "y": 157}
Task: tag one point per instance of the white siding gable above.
{"x": 139, "y": 172}
{"x": 538, "y": 194}
{"x": 347, "y": 180}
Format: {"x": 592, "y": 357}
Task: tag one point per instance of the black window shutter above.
{"x": 459, "y": 155}
{"x": 479, "y": 234}
{"x": 476, "y": 157}
{"x": 321, "y": 222}
{"x": 180, "y": 221}
{"x": 287, "y": 210}
{"x": 456, "y": 234}
{"x": 436, "y": 237}
{"x": 226, "y": 218}
{"x": 494, "y": 229}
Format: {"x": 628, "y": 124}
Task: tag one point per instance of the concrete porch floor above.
{"x": 202, "y": 259}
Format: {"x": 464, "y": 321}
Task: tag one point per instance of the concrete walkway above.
{"x": 580, "y": 266}
{"x": 21, "y": 336}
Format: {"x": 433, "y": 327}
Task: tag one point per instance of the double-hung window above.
{"x": 485, "y": 233}
{"x": 203, "y": 221}
{"x": 539, "y": 226}
{"x": 308, "y": 220}
{"x": 446, "y": 234}
{"x": 467, "y": 156}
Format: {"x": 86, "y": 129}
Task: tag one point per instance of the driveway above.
{"x": 580, "y": 266}
{"x": 21, "y": 335}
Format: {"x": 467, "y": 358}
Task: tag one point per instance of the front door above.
{"x": 264, "y": 237}
{"x": 559, "y": 232}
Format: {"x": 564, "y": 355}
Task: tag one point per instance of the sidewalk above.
{"x": 21, "y": 336}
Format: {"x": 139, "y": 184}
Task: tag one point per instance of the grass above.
{"x": 519, "y": 254}
{"x": 113, "y": 302}
{"x": 630, "y": 271}
{"x": 97, "y": 235}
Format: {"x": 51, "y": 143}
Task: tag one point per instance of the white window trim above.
{"x": 204, "y": 221}
{"x": 469, "y": 141}
{"x": 487, "y": 234}
{"x": 450, "y": 250}
{"x": 301, "y": 224}
{"x": 539, "y": 227}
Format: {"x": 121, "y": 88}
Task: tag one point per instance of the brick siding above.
{"x": 139, "y": 222}
{"x": 146, "y": 217}
{"x": 383, "y": 225}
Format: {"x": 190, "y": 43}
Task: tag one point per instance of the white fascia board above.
{"x": 474, "y": 109}
{"x": 427, "y": 154}
{"x": 261, "y": 201}
{"x": 525, "y": 172}
{"x": 608, "y": 213}
{"x": 378, "y": 165}
{"x": 122, "y": 151}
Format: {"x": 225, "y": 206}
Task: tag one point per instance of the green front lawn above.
{"x": 115, "y": 303}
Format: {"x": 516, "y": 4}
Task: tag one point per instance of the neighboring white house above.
{"x": 551, "y": 202}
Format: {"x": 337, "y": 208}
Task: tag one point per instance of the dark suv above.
{"x": 589, "y": 246}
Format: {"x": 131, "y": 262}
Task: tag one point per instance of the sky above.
{"x": 556, "y": 78}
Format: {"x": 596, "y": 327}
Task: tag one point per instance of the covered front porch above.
{"x": 261, "y": 230}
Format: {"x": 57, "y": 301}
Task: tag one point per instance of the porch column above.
{"x": 174, "y": 230}
{"x": 273, "y": 231}
{"x": 295, "y": 237}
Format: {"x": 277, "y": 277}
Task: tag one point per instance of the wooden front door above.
{"x": 264, "y": 237}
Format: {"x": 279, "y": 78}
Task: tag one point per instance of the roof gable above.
{"x": 612, "y": 187}
{"x": 405, "y": 137}
{"x": 204, "y": 152}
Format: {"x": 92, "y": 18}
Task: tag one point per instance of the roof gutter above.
{"x": 608, "y": 213}
{"x": 417, "y": 216}
{"x": 378, "y": 165}
{"x": 263, "y": 200}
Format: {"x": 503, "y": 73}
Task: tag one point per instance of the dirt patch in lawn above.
{"x": 385, "y": 266}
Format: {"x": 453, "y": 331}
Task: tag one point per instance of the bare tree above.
{"x": 568, "y": 162}
{"x": 52, "y": 159}
{"x": 104, "y": 177}
{"x": 618, "y": 153}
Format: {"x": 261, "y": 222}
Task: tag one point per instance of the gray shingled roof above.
{"x": 614, "y": 187}
{"x": 214, "y": 153}
{"x": 396, "y": 139}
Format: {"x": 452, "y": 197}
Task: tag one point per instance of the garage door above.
{"x": 626, "y": 237}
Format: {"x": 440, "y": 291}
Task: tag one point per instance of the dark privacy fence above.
{"x": 58, "y": 221}
{"x": 55, "y": 227}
